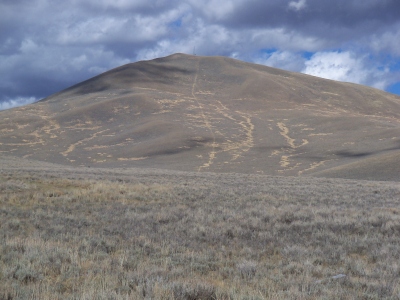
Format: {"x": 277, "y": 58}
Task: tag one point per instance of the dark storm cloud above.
{"x": 298, "y": 14}
{"x": 48, "y": 45}
{"x": 335, "y": 22}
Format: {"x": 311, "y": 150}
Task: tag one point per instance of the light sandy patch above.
{"x": 132, "y": 158}
{"x": 320, "y": 134}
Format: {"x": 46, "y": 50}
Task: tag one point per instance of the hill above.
{"x": 212, "y": 114}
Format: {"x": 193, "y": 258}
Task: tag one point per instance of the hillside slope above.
{"x": 212, "y": 114}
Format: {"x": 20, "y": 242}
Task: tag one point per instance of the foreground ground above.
{"x": 148, "y": 234}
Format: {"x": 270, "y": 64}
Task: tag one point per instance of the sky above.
{"x": 49, "y": 45}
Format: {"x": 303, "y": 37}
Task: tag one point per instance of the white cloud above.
{"x": 335, "y": 65}
{"x": 28, "y": 46}
{"x": 124, "y": 28}
{"x": 283, "y": 60}
{"x": 163, "y": 48}
{"x": 206, "y": 39}
{"x": 90, "y": 31}
{"x": 301, "y": 4}
{"x": 388, "y": 41}
{"x": 119, "y": 4}
{"x": 349, "y": 67}
{"x": 284, "y": 39}
{"x": 216, "y": 9}
{"x": 10, "y": 103}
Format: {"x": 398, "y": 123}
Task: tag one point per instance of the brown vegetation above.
{"x": 155, "y": 235}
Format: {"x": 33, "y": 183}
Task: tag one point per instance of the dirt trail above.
{"x": 212, "y": 153}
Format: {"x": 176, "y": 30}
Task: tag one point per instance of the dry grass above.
{"x": 204, "y": 237}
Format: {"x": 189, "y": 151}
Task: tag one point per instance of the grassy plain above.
{"x": 174, "y": 235}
